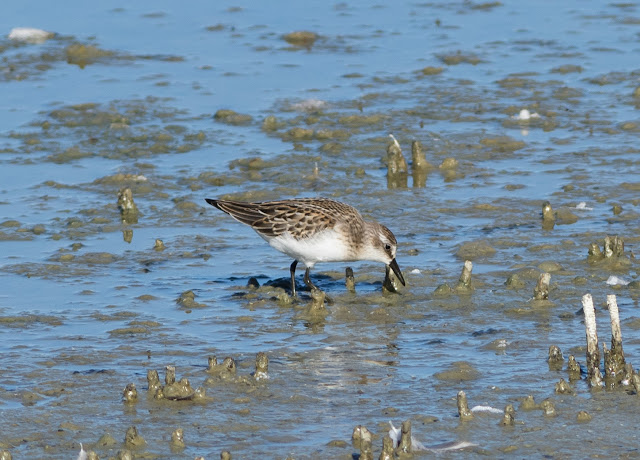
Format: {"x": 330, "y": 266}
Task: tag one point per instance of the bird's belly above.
{"x": 326, "y": 246}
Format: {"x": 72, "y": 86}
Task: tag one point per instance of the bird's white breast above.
{"x": 325, "y": 246}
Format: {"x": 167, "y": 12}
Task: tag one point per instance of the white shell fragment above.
{"x": 394, "y": 434}
{"x": 29, "y": 35}
{"x": 583, "y": 205}
{"x": 491, "y": 410}
{"x": 613, "y": 280}
{"x": 309, "y": 105}
{"x": 525, "y": 115}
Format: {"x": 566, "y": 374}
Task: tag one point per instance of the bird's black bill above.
{"x": 396, "y": 271}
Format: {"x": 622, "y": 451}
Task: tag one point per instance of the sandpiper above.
{"x": 312, "y": 230}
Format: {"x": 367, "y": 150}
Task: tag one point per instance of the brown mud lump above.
{"x": 528, "y": 403}
{"x": 555, "y": 359}
{"x": 464, "y": 283}
{"x": 350, "y": 281}
{"x": 548, "y": 408}
{"x": 387, "y": 449}
{"x": 583, "y": 417}
{"x": 262, "y": 366}
{"x": 223, "y": 371}
{"x": 463, "y": 406}
{"x": 508, "y": 419}
{"x": 563, "y": 387}
{"x": 177, "y": 439}
{"x": 316, "y": 308}
{"x": 128, "y": 208}
{"x": 153, "y": 381}
{"x": 514, "y": 281}
{"x": 359, "y": 432}
{"x": 124, "y": 454}
{"x": 132, "y": 439}
{"x": 405, "y": 437}
{"x": 170, "y": 375}
{"x": 574, "y": 368}
{"x": 179, "y": 391}
{"x": 541, "y": 291}
{"x": 130, "y": 394}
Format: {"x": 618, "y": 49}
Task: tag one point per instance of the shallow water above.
{"x": 83, "y": 312}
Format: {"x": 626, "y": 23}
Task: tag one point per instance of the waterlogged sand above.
{"x": 113, "y": 265}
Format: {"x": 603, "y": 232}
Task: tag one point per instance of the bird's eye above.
{"x": 387, "y": 247}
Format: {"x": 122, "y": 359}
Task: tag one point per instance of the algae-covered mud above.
{"x": 138, "y": 322}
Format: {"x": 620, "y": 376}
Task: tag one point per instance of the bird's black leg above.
{"x": 292, "y": 269}
{"x": 307, "y": 280}
{"x": 313, "y": 287}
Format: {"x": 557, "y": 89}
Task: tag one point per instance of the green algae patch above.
{"x": 460, "y": 57}
{"x": 355, "y": 121}
{"x": 473, "y": 250}
{"x": 326, "y": 134}
{"x": 564, "y": 216}
{"x": 460, "y": 371}
{"x": 301, "y": 38}
{"x": 502, "y": 144}
{"x": 515, "y": 82}
{"x": 83, "y": 55}
{"x": 232, "y": 117}
{"x": 23, "y": 321}
{"x": 69, "y": 155}
{"x": 299, "y": 134}
{"x": 99, "y": 258}
{"x": 132, "y": 330}
{"x": 271, "y": 123}
{"x": 429, "y": 70}
{"x": 567, "y": 68}
{"x": 146, "y": 297}
{"x": 116, "y": 130}
{"x": 116, "y": 316}
{"x": 146, "y": 324}
{"x": 484, "y": 5}
{"x": 550, "y": 266}
{"x": 187, "y": 301}
{"x": 46, "y": 270}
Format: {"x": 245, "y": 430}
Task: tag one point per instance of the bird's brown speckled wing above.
{"x": 300, "y": 217}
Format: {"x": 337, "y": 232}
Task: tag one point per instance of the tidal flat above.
{"x": 138, "y": 321}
